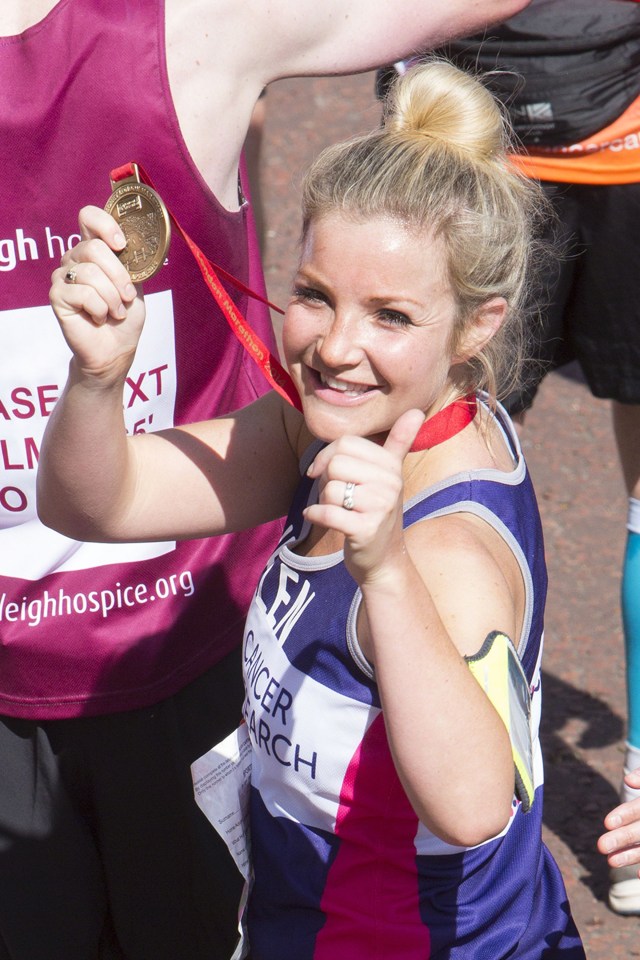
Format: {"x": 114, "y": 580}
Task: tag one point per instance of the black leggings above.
{"x": 104, "y": 854}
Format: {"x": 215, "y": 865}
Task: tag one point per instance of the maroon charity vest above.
{"x": 95, "y": 628}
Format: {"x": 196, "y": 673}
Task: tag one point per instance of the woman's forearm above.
{"x": 85, "y": 473}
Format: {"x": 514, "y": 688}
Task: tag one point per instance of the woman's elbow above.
{"x": 484, "y": 815}
{"x": 48, "y": 511}
{"x": 477, "y": 830}
{"x": 69, "y": 523}
{"x": 52, "y": 519}
{"x": 485, "y": 827}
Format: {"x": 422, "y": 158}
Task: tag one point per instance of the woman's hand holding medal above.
{"x": 100, "y": 311}
{"x": 94, "y": 285}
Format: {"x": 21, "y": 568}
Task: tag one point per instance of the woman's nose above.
{"x": 341, "y": 343}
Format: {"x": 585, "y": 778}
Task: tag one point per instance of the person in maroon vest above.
{"x": 119, "y": 665}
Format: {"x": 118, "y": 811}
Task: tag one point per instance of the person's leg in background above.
{"x": 549, "y": 346}
{"x": 624, "y": 891}
{"x": 51, "y": 878}
{"x": 172, "y": 888}
{"x": 104, "y": 853}
{"x": 606, "y": 331}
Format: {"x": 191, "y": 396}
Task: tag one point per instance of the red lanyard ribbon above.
{"x": 444, "y": 424}
{"x": 270, "y": 366}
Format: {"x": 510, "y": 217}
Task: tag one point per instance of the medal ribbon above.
{"x": 271, "y": 368}
{"x": 443, "y": 425}
{"x": 446, "y": 423}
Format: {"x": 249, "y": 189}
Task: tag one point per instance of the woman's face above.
{"x": 368, "y": 332}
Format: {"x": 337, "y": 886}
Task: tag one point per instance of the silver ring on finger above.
{"x": 347, "y": 500}
{"x": 70, "y": 276}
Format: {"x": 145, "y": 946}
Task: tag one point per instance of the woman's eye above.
{"x": 394, "y": 318}
{"x": 308, "y": 295}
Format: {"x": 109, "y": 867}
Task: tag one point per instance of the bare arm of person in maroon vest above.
{"x": 218, "y": 70}
{"x": 222, "y": 54}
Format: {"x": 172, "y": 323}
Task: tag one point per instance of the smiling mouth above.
{"x": 344, "y": 387}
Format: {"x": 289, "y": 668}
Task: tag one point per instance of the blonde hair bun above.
{"x": 435, "y": 101}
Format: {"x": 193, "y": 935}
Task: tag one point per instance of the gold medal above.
{"x": 145, "y": 222}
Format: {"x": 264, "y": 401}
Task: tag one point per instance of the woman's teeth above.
{"x": 353, "y": 389}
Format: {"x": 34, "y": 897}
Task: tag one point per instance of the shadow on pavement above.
{"x": 576, "y": 796}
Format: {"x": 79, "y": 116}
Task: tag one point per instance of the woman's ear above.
{"x": 485, "y": 323}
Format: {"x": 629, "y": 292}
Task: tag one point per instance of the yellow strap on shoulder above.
{"x": 497, "y": 668}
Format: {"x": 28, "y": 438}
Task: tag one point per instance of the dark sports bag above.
{"x": 568, "y": 68}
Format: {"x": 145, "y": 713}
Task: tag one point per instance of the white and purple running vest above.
{"x": 344, "y": 870}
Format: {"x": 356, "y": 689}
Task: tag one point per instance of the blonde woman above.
{"x": 396, "y": 801}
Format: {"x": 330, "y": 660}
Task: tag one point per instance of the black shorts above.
{"x": 593, "y": 309}
{"x": 103, "y": 850}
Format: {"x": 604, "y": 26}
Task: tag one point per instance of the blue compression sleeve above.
{"x": 631, "y": 624}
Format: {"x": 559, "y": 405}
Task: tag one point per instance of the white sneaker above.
{"x": 624, "y": 889}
